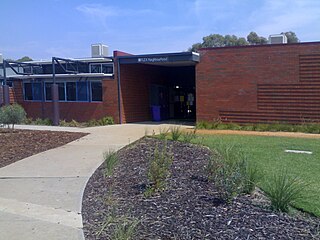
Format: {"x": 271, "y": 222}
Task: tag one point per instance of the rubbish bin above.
{"x": 156, "y": 113}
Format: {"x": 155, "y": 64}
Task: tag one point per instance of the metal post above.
{"x": 55, "y": 96}
{"x": 5, "y": 87}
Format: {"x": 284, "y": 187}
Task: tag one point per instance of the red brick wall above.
{"x": 259, "y": 83}
{"x": 135, "y": 83}
{"x": 80, "y": 111}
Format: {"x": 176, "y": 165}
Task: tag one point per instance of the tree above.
{"x": 291, "y": 36}
{"x": 24, "y": 59}
{"x": 12, "y": 114}
{"x": 195, "y": 47}
{"x": 254, "y": 39}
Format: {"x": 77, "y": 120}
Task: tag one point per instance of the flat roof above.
{"x": 162, "y": 59}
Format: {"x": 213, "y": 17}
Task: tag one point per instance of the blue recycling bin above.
{"x": 156, "y": 113}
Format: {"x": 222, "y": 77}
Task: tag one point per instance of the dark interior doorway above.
{"x": 176, "y": 97}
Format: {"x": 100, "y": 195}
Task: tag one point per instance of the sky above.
{"x": 42, "y": 29}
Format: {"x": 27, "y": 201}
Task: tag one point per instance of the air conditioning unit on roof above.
{"x": 278, "y": 39}
{"x": 99, "y": 50}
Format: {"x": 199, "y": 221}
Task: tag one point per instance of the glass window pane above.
{"x": 107, "y": 68}
{"x": 82, "y": 91}
{"x": 28, "y": 91}
{"x": 37, "y": 91}
{"x": 95, "y": 68}
{"x": 71, "y": 91}
{"x": 48, "y": 89}
{"x": 62, "y": 95}
{"x": 96, "y": 91}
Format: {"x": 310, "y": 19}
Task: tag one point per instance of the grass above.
{"x": 267, "y": 154}
{"x": 307, "y": 127}
{"x": 111, "y": 161}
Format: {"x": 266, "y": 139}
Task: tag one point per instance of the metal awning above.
{"x": 66, "y": 75}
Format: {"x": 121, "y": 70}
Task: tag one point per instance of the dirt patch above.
{"x": 255, "y": 133}
{"x": 18, "y": 144}
{"x": 190, "y": 208}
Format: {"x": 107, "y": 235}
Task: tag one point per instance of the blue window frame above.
{"x": 33, "y": 91}
{"x": 70, "y": 91}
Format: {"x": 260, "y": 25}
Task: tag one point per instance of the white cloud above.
{"x": 275, "y": 16}
{"x": 99, "y": 12}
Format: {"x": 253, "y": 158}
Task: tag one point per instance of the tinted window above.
{"x": 62, "y": 93}
{"x": 82, "y": 91}
{"x": 28, "y": 91}
{"x": 96, "y": 91}
{"x": 37, "y": 91}
{"x": 48, "y": 87}
{"x": 71, "y": 91}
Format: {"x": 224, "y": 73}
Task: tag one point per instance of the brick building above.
{"x": 275, "y": 82}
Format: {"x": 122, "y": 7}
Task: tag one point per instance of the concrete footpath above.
{"x": 40, "y": 196}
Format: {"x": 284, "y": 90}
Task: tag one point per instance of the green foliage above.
{"x": 284, "y": 191}
{"x": 254, "y": 39}
{"x": 175, "y": 132}
{"x": 187, "y": 137}
{"x": 292, "y": 37}
{"x": 120, "y": 227}
{"x": 309, "y": 127}
{"x": 110, "y": 161}
{"x": 218, "y": 40}
{"x": 268, "y": 155}
{"x": 40, "y": 121}
{"x": 24, "y": 59}
{"x": 106, "y": 121}
{"x": 158, "y": 170}
{"x": 12, "y": 114}
{"x": 163, "y": 132}
{"x": 230, "y": 172}
{"x": 125, "y": 230}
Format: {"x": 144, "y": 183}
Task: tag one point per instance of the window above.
{"x": 101, "y": 68}
{"x": 28, "y": 91}
{"x": 33, "y": 91}
{"x": 71, "y": 91}
{"x": 82, "y": 91}
{"x": 96, "y": 91}
{"x": 48, "y": 91}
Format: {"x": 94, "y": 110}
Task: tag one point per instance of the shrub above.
{"x": 283, "y": 191}
{"x": 158, "y": 170}
{"x": 175, "y": 132}
{"x": 125, "y": 230}
{"x": 187, "y": 137}
{"x": 110, "y": 160}
{"x": 40, "y": 121}
{"x": 12, "y": 114}
{"x": 106, "y": 121}
{"x": 229, "y": 170}
{"x": 163, "y": 132}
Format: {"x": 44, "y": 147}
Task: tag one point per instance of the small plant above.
{"x": 12, "y": 114}
{"x": 187, "y": 137}
{"x": 163, "y": 132}
{"x": 125, "y": 230}
{"x": 283, "y": 191}
{"x": 251, "y": 178}
{"x": 230, "y": 172}
{"x": 159, "y": 170}
{"x": 40, "y": 121}
{"x": 105, "y": 121}
{"x": 111, "y": 160}
{"x": 175, "y": 132}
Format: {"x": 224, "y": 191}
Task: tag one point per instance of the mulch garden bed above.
{"x": 18, "y": 144}
{"x": 188, "y": 209}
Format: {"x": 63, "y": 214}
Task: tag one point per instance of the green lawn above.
{"x": 268, "y": 154}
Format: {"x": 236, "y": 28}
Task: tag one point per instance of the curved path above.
{"x": 40, "y": 196}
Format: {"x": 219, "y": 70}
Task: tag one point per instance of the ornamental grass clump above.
{"x": 159, "y": 170}
{"x": 111, "y": 161}
{"x": 187, "y": 137}
{"x": 230, "y": 172}
{"x": 284, "y": 191}
{"x": 175, "y": 132}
